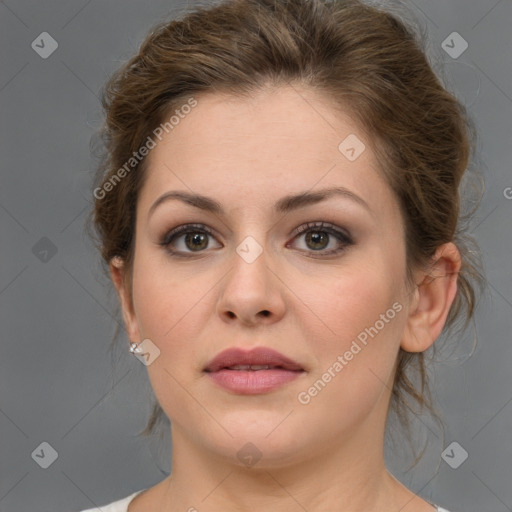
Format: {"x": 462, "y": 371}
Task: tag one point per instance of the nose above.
{"x": 251, "y": 292}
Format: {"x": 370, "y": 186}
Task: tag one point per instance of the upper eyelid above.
{"x": 302, "y": 227}
{"x": 328, "y": 226}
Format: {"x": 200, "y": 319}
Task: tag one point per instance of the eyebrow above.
{"x": 284, "y": 205}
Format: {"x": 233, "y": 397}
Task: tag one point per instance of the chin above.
{"x": 261, "y": 439}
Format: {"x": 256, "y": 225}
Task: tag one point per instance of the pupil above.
{"x": 195, "y": 241}
{"x": 317, "y": 237}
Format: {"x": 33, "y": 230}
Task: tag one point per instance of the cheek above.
{"x": 167, "y": 311}
{"x": 164, "y": 301}
{"x": 358, "y": 339}
{"x": 351, "y": 302}
{"x": 171, "y": 310}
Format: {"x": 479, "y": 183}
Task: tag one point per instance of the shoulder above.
{"x": 116, "y": 506}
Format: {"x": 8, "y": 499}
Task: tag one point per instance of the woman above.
{"x": 278, "y": 210}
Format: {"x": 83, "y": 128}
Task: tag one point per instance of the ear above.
{"x": 432, "y": 299}
{"x": 118, "y": 272}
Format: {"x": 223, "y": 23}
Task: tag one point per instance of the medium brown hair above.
{"x": 367, "y": 61}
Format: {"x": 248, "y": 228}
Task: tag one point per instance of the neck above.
{"x": 341, "y": 476}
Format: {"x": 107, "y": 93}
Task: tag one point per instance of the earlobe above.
{"x": 119, "y": 278}
{"x": 432, "y": 300}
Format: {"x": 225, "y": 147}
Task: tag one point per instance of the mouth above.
{"x": 252, "y": 372}
{"x": 255, "y": 367}
{"x": 257, "y": 359}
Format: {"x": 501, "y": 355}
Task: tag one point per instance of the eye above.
{"x": 195, "y": 238}
{"x": 318, "y": 236}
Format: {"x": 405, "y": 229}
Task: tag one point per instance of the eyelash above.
{"x": 324, "y": 227}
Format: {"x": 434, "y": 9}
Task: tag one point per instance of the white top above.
{"x": 122, "y": 505}
{"x": 116, "y": 506}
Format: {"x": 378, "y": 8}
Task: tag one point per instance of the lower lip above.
{"x": 253, "y": 382}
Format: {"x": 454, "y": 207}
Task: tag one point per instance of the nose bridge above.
{"x": 250, "y": 267}
{"x": 250, "y": 289}
{"x": 252, "y": 238}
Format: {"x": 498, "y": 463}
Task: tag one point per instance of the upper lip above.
{"x": 256, "y": 356}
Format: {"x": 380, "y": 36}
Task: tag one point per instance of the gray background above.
{"x": 57, "y": 383}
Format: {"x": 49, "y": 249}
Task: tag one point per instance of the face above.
{"x": 322, "y": 280}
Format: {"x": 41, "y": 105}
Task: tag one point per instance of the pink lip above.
{"x": 251, "y": 382}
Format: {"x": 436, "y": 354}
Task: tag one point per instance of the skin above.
{"x": 326, "y": 455}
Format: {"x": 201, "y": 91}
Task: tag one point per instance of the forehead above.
{"x": 279, "y": 139}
